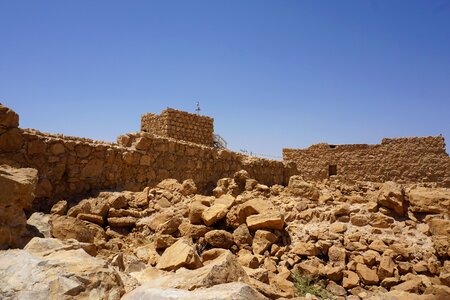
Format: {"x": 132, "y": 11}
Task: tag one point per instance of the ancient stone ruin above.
{"x": 180, "y": 125}
{"x": 162, "y": 214}
{"x": 417, "y": 159}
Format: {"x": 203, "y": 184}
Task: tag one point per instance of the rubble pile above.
{"x": 245, "y": 241}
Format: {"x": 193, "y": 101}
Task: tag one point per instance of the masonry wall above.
{"x": 418, "y": 159}
{"x": 180, "y": 125}
{"x": 70, "y": 166}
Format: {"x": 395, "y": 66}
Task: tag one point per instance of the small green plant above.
{"x": 310, "y": 285}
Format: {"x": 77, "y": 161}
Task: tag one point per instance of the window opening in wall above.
{"x": 332, "y": 170}
{"x": 332, "y": 146}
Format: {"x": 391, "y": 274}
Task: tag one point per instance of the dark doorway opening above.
{"x": 332, "y": 170}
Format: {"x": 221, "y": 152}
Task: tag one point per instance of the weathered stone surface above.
{"x": 412, "y": 285}
{"x": 350, "y": 280}
{"x": 59, "y": 208}
{"x": 305, "y": 249}
{"x": 242, "y": 236}
{"x": 8, "y": 118}
{"x": 429, "y": 200}
{"x": 439, "y": 227}
{"x": 180, "y": 254}
{"x": 359, "y": 220}
{"x": 386, "y": 268}
{"x": 194, "y": 231}
{"x": 219, "y": 238}
{"x": 247, "y": 259}
{"x": 214, "y": 213}
{"x": 41, "y": 222}
{"x": 57, "y": 275}
{"x": 64, "y": 227}
{"x": 262, "y": 241}
{"x": 122, "y": 221}
{"x": 367, "y": 275}
{"x": 391, "y": 196}
{"x": 16, "y": 193}
{"x": 224, "y": 269}
{"x": 338, "y": 227}
{"x": 11, "y": 140}
{"x": 226, "y": 291}
{"x": 259, "y": 274}
{"x": 337, "y": 255}
{"x": 298, "y": 187}
{"x": 45, "y": 246}
{"x": 270, "y": 219}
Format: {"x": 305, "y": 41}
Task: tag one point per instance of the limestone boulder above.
{"x": 223, "y": 269}
{"x": 214, "y": 213}
{"x": 367, "y": 275}
{"x": 180, "y": 254}
{"x": 226, "y": 291}
{"x": 41, "y": 222}
{"x": 391, "y": 196}
{"x": 300, "y": 188}
{"x": 64, "y": 227}
{"x": 170, "y": 185}
{"x": 219, "y": 238}
{"x": 386, "y": 267}
{"x": 350, "y": 280}
{"x": 262, "y": 240}
{"x": 193, "y": 231}
{"x": 61, "y": 274}
{"x": 439, "y": 227}
{"x": 16, "y": 193}
{"x": 59, "y": 208}
{"x": 188, "y": 187}
{"x": 270, "y": 219}
{"x": 305, "y": 249}
{"x": 44, "y": 246}
{"x": 428, "y": 200}
{"x": 242, "y": 236}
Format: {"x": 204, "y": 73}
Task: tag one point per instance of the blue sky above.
{"x": 273, "y": 74}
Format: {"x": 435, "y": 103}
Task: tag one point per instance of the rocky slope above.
{"x": 246, "y": 241}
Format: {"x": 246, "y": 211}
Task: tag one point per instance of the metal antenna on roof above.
{"x": 197, "y": 110}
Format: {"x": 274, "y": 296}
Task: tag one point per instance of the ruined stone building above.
{"x": 180, "y": 125}
{"x": 417, "y": 159}
{"x": 179, "y": 145}
{"x": 173, "y": 144}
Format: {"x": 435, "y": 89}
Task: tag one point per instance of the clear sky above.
{"x": 273, "y": 74}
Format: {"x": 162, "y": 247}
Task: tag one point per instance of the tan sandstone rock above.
{"x": 391, "y": 196}
{"x": 429, "y": 200}
{"x": 16, "y": 193}
{"x": 180, "y": 254}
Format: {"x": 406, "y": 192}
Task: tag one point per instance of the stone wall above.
{"x": 180, "y": 125}
{"x": 70, "y": 166}
{"x": 418, "y": 159}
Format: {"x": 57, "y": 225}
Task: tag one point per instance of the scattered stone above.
{"x": 305, "y": 249}
{"x": 266, "y": 220}
{"x": 262, "y": 241}
{"x": 427, "y": 200}
{"x": 214, "y": 213}
{"x": 391, "y": 196}
{"x": 300, "y": 188}
{"x": 59, "y": 208}
{"x": 180, "y": 254}
{"x": 368, "y": 276}
{"x": 219, "y": 238}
